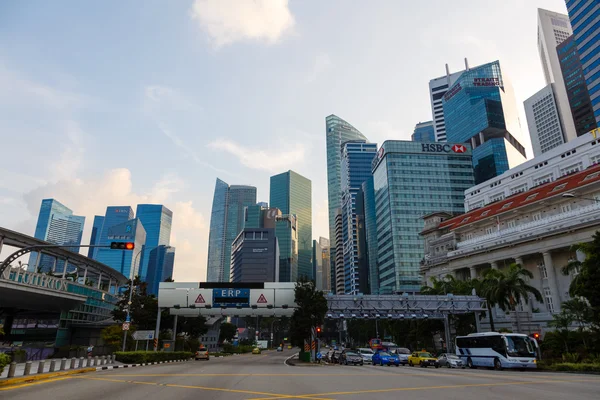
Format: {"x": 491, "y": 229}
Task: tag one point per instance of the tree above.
{"x": 311, "y": 307}
{"x": 586, "y": 280}
{"x": 580, "y": 311}
{"x": 562, "y": 322}
{"x": 143, "y": 308}
{"x": 227, "y": 332}
{"x": 113, "y": 336}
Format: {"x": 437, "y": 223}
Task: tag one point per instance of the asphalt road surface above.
{"x": 266, "y": 377}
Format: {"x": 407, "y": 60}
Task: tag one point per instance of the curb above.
{"x": 39, "y": 377}
{"x": 108, "y": 367}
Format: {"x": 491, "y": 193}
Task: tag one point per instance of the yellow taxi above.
{"x": 423, "y": 359}
{"x": 256, "y": 350}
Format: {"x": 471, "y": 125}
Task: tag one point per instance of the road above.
{"x": 266, "y": 377}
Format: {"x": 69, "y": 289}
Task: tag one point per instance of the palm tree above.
{"x": 581, "y": 312}
{"x": 562, "y": 322}
{"x": 507, "y": 288}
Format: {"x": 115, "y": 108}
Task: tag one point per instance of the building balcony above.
{"x": 557, "y": 222}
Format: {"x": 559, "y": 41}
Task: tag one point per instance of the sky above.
{"x": 127, "y": 102}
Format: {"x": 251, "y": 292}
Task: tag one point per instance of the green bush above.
{"x": 570, "y": 357}
{"x": 4, "y": 361}
{"x": 138, "y": 357}
{"x": 231, "y": 349}
{"x": 571, "y": 367}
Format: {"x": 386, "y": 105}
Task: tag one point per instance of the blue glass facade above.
{"x": 368, "y": 192}
{"x": 577, "y": 93}
{"x": 160, "y": 267}
{"x": 95, "y": 236}
{"x": 477, "y": 112}
{"x": 127, "y": 262}
{"x": 356, "y": 158}
{"x": 292, "y": 194}
{"x": 115, "y": 215}
{"x": 337, "y": 132}
{"x": 226, "y": 222}
{"x": 56, "y": 224}
{"x": 412, "y": 179}
{"x": 424, "y": 132}
{"x": 585, "y": 20}
{"x": 157, "y": 220}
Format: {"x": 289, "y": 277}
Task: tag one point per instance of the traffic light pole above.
{"x": 128, "y": 318}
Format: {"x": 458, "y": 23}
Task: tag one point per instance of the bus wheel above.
{"x": 470, "y": 363}
{"x": 497, "y": 364}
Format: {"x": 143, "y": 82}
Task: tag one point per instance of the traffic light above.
{"x": 122, "y": 245}
{"x": 318, "y": 330}
{"x": 535, "y": 335}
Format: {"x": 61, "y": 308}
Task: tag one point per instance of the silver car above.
{"x": 366, "y": 354}
{"x": 403, "y": 354}
{"x": 450, "y": 361}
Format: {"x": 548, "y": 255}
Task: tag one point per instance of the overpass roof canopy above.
{"x": 20, "y": 240}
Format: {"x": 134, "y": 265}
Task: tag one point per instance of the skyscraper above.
{"x": 160, "y": 267}
{"x": 321, "y": 264}
{"x": 413, "y": 179}
{"x": 577, "y": 92}
{"x": 480, "y": 109}
{"x": 226, "y": 221}
{"x": 115, "y": 215}
{"x": 126, "y": 262}
{"x": 437, "y": 89}
{"x": 357, "y": 157}
{"x": 338, "y": 131}
{"x": 255, "y": 256}
{"x": 368, "y": 199}
{"x": 95, "y": 236}
{"x": 56, "y": 224}
{"x": 424, "y": 132}
{"x": 292, "y": 194}
{"x": 156, "y": 220}
{"x": 553, "y": 29}
{"x": 337, "y": 275}
{"x": 543, "y": 120}
{"x": 584, "y": 20}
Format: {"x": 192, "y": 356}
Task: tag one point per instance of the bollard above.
{"x": 12, "y": 369}
{"x": 41, "y": 366}
{"x": 95, "y": 361}
{"x": 87, "y": 361}
{"x": 72, "y": 366}
{"x": 80, "y": 365}
{"x": 103, "y": 360}
{"x": 27, "y": 368}
{"x": 52, "y": 365}
{"x": 63, "y": 364}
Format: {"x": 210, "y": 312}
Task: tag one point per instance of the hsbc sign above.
{"x": 443, "y": 148}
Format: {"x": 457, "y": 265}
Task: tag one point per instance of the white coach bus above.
{"x": 497, "y": 350}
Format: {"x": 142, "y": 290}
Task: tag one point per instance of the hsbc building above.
{"x": 413, "y": 179}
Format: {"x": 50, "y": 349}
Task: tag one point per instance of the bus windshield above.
{"x": 519, "y": 346}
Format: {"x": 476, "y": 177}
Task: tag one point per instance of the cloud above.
{"x": 90, "y": 197}
{"x": 72, "y": 153}
{"x": 321, "y": 64}
{"x": 165, "y": 97}
{"x": 264, "y": 159}
{"x": 229, "y": 21}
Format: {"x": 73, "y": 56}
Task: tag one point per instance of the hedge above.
{"x": 231, "y": 349}
{"x": 572, "y": 367}
{"x": 138, "y": 357}
{"x": 4, "y": 361}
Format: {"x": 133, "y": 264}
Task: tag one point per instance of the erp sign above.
{"x": 231, "y": 297}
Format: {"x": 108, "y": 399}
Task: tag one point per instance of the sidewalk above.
{"x": 34, "y": 366}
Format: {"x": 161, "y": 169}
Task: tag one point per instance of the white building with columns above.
{"x": 535, "y": 227}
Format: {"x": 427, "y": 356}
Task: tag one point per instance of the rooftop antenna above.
{"x": 466, "y": 64}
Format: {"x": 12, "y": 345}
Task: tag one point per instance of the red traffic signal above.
{"x": 536, "y": 335}
{"x": 122, "y": 245}
{"x": 318, "y": 329}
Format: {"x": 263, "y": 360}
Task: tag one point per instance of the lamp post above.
{"x": 574, "y": 196}
{"x": 127, "y": 319}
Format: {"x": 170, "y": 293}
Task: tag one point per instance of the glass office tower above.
{"x": 226, "y": 222}
{"x": 410, "y": 180}
{"x": 292, "y": 194}
{"x": 157, "y": 220}
{"x": 424, "y": 132}
{"x": 160, "y": 267}
{"x": 126, "y": 262}
{"x": 480, "y": 109}
{"x": 95, "y": 236}
{"x": 577, "y": 92}
{"x": 114, "y": 216}
{"x": 585, "y": 21}
{"x": 356, "y": 158}
{"x": 337, "y": 132}
{"x": 56, "y": 224}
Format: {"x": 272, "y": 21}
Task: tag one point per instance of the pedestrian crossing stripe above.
{"x": 200, "y": 299}
{"x": 262, "y": 299}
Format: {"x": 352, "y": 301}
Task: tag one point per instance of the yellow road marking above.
{"x": 432, "y": 387}
{"x": 273, "y": 395}
{"x": 12, "y": 387}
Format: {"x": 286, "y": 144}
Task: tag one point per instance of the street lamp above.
{"x": 128, "y": 319}
{"x": 574, "y": 196}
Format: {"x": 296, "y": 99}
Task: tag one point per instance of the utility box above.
{"x": 168, "y": 345}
